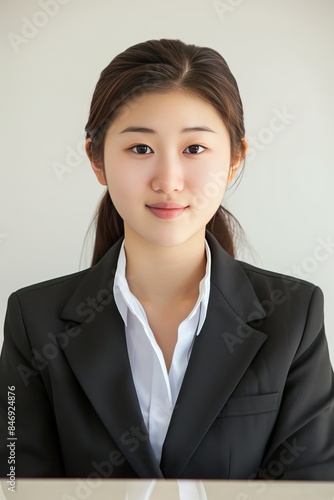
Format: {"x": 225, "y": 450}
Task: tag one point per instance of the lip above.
{"x": 167, "y": 205}
{"x": 167, "y": 210}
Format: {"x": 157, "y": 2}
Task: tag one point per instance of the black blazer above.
{"x": 257, "y": 399}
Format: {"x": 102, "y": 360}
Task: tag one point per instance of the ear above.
{"x": 237, "y": 162}
{"x": 97, "y": 168}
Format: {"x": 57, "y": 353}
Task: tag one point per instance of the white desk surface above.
{"x": 104, "y": 489}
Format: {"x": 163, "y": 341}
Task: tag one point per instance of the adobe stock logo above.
{"x": 30, "y": 27}
{"x": 72, "y": 160}
{"x": 227, "y": 6}
{"x": 310, "y": 264}
{"x": 279, "y": 121}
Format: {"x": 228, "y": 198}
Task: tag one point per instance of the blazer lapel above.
{"x": 221, "y": 354}
{"x": 98, "y": 356}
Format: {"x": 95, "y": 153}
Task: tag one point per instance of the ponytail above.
{"x": 225, "y": 228}
{"x": 109, "y": 228}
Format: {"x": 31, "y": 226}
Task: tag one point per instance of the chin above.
{"x": 170, "y": 239}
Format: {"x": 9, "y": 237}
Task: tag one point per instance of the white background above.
{"x": 281, "y": 53}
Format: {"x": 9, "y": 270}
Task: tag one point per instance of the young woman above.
{"x": 168, "y": 358}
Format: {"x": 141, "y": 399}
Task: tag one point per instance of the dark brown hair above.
{"x": 163, "y": 65}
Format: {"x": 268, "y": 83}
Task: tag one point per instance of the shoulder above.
{"x": 291, "y": 304}
{"x": 43, "y": 301}
{"x": 52, "y": 286}
{"x": 266, "y": 281}
{"x": 49, "y": 302}
{"x": 239, "y": 281}
{"x": 59, "y": 290}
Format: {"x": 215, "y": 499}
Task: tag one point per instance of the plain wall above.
{"x": 280, "y": 52}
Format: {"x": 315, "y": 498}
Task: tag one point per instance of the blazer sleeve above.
{"x": 36, "y": 451}
{"x": 302, "y": 443}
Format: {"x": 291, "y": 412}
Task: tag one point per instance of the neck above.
{"x": 164, "y": 275}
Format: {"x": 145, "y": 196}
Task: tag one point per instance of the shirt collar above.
{"x": 125, "y": 300}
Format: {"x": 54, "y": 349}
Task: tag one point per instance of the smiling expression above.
{"x": 166, "y": 164}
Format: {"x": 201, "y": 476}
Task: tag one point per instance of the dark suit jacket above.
{"x": 257, "y": 399}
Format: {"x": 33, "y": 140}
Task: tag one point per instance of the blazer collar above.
{"x": 227, "y": 275}
{"x": 97, "y": 353}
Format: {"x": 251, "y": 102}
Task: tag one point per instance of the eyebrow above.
{"x": 146, "y": 130}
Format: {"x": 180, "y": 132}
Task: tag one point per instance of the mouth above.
{"x": 167, "y": 210}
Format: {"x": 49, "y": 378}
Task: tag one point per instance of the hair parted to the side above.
{"x": 160, "y": 66}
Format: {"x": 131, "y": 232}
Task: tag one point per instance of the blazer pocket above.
{"x": 250, "y": 405}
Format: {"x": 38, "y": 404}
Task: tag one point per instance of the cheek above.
{"x": 210, "y": 183}
{"x": 118, "y": 177}
{"x": 125, "y": 188}
{"x": 120, "y": 171}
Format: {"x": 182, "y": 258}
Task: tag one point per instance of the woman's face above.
{"x": 167, "y": 163}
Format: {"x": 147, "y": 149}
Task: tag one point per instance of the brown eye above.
{"x": 194, "y": 149}
{"x": 141, "y": 149}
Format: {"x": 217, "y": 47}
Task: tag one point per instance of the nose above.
{"x": 168, "y": 174}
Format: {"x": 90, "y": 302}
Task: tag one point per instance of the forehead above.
{"x": 173, "y": 108}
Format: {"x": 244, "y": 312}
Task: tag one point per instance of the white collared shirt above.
{"x": 157, "y": 390}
